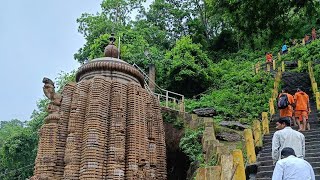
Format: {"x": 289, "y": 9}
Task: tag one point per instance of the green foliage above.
{"x": 191, "y": 145}
{"x": 17, "y": 150}
{"x": 189, "y": 66}
{"x": 265, "y": 23}
{"x": 316, "y": 72}
{"x": 9, "y": 128}
{"x": 309, "y": 52}
{"x": 174, "y": 119}
{"x": 236, "y": 92}
{"x": 64, "y": 78}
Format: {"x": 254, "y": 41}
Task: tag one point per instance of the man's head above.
{"x": 287, "y": 151}
{"x": 282, "y": 122}
{"x": 285, "y": 90}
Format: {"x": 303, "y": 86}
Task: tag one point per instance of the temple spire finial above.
{"x": 111, "y": 50}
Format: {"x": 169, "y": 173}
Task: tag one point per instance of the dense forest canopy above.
{"x": 201, "y": 48}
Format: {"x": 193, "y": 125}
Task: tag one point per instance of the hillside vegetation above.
{"x": 204, "y": 49}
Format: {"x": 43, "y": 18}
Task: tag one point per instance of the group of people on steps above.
{"x": 288, "y": 145}
{"x": 296, "y": 108}
{"x": 284, "y": 49}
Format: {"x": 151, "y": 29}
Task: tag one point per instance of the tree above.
{"x": 17, "y": 145}
{"x": 189, "y": 72}
{"x": 113, "y": 19}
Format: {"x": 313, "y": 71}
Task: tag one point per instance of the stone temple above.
{"x": 104, "y": 126}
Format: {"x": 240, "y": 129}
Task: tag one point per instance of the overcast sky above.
{"x": 37, "y": 38}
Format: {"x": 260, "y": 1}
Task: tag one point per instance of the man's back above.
{"x": 284, "y": 48}
{"x": 293, "y": 168}
{"x": 288, "y": 137}
{"x": 302, "y": 100}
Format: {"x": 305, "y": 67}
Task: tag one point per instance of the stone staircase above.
{"x": 312, "y": 137}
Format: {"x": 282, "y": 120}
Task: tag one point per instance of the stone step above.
{"x": 307, "y": 143}
{"x": 312, "y": 127}
{"x": 269, "y": 178}
{"x": 309, "y": 159}
{"x": 268, "y": 157}
{"x": 307, "y": 140}
{"x": 305, "y": 133}
{"x": 268, "y": 174}
{"x": 270, "y": 168}
{"x": 308, "y": 151}
{"x": 309, "y": 146}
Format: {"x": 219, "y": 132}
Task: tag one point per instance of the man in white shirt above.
{"x": 291, "y": 167}
{"x": 287, "y": 137}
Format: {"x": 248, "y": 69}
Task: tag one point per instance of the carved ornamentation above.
{"x": 106, "y": 126}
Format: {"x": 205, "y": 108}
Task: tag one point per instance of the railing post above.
{"x": 274, "y": 93}
{"x": 299, "y": 64}
{"x": 257, "y": 133}
{"x": 276, "y": 84}
{"x": 238, "y": 164}
{"x": 152, "y": 77}
{"x": 315, "y": 87}
{"x": 182, "y": 108}
{"x": 250, "y": 146}
{"x": 257, "y": 67}
{"x": 268, "y": 67}
{"x": 167, "y": 99}
{"x": 318, "y": 100}
{"x": 265, "y": 123}
{"x": 274, "y": 64}
{"x": 279, "y": 57}
{"x": 271, "y": 106}
{"x": 282, "y": 66}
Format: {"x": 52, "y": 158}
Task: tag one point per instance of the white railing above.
{"x": 166, "y": 98}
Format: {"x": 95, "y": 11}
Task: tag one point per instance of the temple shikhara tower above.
{"x": 104, "y": 126}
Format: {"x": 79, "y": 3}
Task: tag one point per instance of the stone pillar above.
{"x": 239, "y": 171}
{"x": 65, "y": 110}
{"x": 117, "y": 132}
{"x": 152, "y": 77}
{"x": 250, "y": 146}
{"x": 95, "y": 130}
{"x": 72, "y": 156}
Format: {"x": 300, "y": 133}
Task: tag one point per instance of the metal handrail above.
{"x": 161, "y": 91}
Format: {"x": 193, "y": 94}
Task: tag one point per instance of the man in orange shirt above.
{"x": 302, "y": 108}
{"x": 287, "y": 112}
{"x": 268, "y": 57}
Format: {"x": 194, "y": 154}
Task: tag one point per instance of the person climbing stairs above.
{"x": 292, "y": 80}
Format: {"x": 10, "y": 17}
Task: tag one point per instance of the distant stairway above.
{"x": 312, "y": 137}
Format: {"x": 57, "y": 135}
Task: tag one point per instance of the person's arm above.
{"x": 275, "y": 147}
{"x": 312, "y": 173}
{"x": 303, "y": 146}
{"x": 295, "y": 101}
{"x": 291, "y": 100}
{"x": 278, "y": 172}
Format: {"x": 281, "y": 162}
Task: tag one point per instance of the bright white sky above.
{"x": 37, "y": 39}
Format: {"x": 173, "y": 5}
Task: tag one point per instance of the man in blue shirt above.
{"x": 284, "y": 48}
